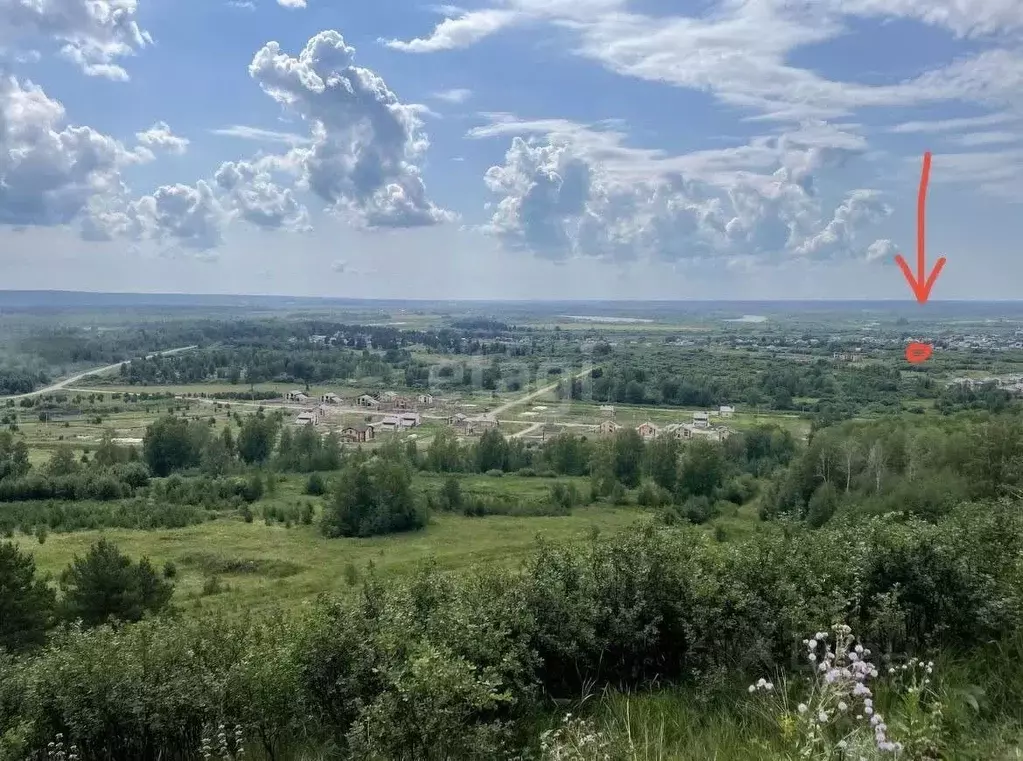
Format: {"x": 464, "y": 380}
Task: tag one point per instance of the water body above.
{"x": 749, "y": 318}
{"x": 595, "y": 318}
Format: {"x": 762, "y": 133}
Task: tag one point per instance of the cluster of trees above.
{"x": 113, "y": 472}
{"x": 458, "y": 666}
{"x": 20, "y": 381}
{"x": 705, "y": 379}
{"x": 100, "y": 587}
{"x": 918, "y": 466}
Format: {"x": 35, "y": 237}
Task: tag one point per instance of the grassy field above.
{"x": 261, "y": 566}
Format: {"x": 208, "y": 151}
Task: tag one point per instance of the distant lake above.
{"x": 592, "y": 318}
{"x": 749, "y": 318}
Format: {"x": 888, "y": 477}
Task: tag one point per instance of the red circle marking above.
{"x": 918, "y": 352}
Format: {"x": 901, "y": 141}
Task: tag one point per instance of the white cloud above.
{"x": 965, "y": 18}
{"x": 160, "y": 137}
{"x": 882, "y": 249}
{"x": 578, "y": 194}
{"x": 50, "y": 170}
{"x": 258, "y": 134}
{"x": 366, "y": 144}
{"x": 91, "y": 33}
{"x": 455, "y": 95}
{"x": 955, "y": 125}
{"x": 739, "y": 50}
{"x": 292, "y": 3}
{"x": 458, "y": 32}
{"x": 986, "y": 138}
{"x": 251, "y": 192}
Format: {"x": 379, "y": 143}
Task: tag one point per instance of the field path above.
{"x": 95, "y": 371}
{"x": 532, "y": 395}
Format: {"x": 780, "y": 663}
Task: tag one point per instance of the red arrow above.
{"x": 922, "y": 283}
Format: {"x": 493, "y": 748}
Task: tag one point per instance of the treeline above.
{"x": 443, "y": 666}
{"x": 923, "y": 467}
{"x": 21, "y": 381}
{"x": 707, "y": 379}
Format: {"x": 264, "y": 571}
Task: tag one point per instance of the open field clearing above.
{"x": 264, "y": 566}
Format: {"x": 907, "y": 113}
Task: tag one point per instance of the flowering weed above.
{"x": 836, "y": 717}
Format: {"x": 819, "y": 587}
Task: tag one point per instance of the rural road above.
{"x": 95, "y": 371}
{"x": 532, "y": 395}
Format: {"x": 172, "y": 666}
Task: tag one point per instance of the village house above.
{"x": 296, "y": 396}
{"x": 358, "y": 433}
{"x": 410, "y": 419}
{"x": 330, "y": 398}
{"x": 485, "y": 422}
{"x": 608, "y": 427}
{"x": 402, "y": 403}
{"x": 426, "y": 399}
{"x": 368, "y": 401}
{"x": 460, "y": 422}
{"x": 726, "y": 411}
{"x": 607, "y": 409}
{"x": 673, "y": 429}
{"x": 701, "y": 420}
{"x": 306, "y": 418}
{"x": 390, "y": 423}
{"x": 647, "y": 430}
{"x": 691, "y": 432}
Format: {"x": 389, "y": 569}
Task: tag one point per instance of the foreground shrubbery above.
{"x": 457, "y": 667}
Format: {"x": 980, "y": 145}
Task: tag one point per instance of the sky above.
{"x": 510, "y": 149}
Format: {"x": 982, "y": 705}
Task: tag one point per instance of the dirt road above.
{"x": 95, "y": 371}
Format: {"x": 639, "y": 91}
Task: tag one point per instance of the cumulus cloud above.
{"x": 557, "y": 200}
{"x": 292, "y": 3}
{"x": 93, "y": 34}
{"x": 363, "y": 160}
{"x": 160, "y": 137}
{"x": 50, "y": 170}
{"x": 249, "y": 190}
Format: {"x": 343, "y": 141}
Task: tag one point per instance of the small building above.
{"x": 330, "y": 398}
{"x": 485, "y": 422}
{"x": 426, "y": 399}
{"x": 726, "y": 411}
{"x": 607, "y": 410}
{"x": 297, "y": 395}
{"x": 409, "y": 419}
{"x": 306, "y": 418}
{"x": 701, "y": 419}
{"x": 647, "y": 430}
{"x": 402, "y": 403}
{"x": 690, "y": 432}
{"x": 608, "y": 427}
{"x": 358, "y": 433}
{"x": 301, "y": 398}
{"x": 673, "y": 429}
{"x": 390, "y": 423}
{"x": 366, "y": 400}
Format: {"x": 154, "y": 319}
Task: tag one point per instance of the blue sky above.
{"x": 510, "y": 148}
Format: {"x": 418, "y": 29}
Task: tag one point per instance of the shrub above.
{"x": 106, "y": 585}
{"x": 315, "y": 485}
